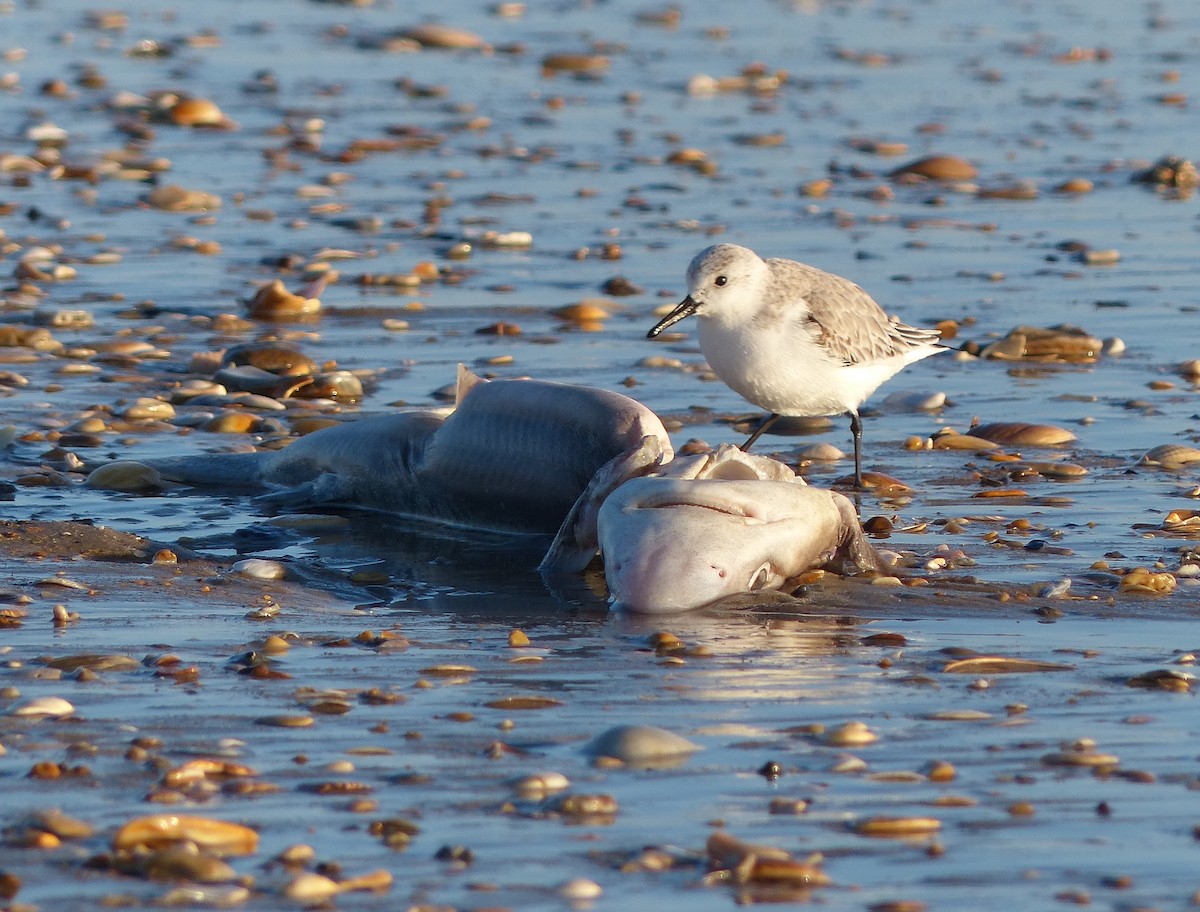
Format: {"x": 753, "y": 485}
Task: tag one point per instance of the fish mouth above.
{"x": 724, "y": 506}
{"x": 685, "y": 308}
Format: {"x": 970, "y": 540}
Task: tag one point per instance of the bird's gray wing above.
{"x": 842, "y": 318}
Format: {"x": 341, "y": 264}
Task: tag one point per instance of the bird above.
{"x": 793, "y": 339}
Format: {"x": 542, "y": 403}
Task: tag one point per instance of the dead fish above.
{"x": 673, "y": 544}
{"x": 515, "y": 456}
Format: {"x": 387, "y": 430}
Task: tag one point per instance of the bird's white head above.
{"x": 721, "y": 279}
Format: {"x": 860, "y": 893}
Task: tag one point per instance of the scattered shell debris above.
{"x": 223, "y": 232}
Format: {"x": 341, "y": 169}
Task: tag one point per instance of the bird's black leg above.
{"x": 856, "y": 430}
{"x": 766, "y": 423}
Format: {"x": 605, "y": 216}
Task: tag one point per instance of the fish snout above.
{"x": 663, "y": 581}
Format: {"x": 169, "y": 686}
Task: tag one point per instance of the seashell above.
{"x": 939, "y": 168}
{"x": 446, "y": 37}
{"x": 177, "y": 863}
{"x": 174, "y": 198}
{"x": 958, "y": 715}
{"x": 258, "y": 568}
{"x": 340, "y": 385}
{"x": 1186, "y": 521}
{"x": 575, "y": 63}
{"x": 1075, "y": 185}
{"x": 820, "y": 452}
{"x": 196, "y": 112}
{"x": 247, "y": 378}
{"x": 273, "y": 357}
{"x": 94, "y": 662}
{"x": 203, "y": 768}
{"x": 1001, "y": 665}
{"x": 1058, "y": 469}
{"x": 536, "y": 786}
{"x": 1021, "y": 190}
{"x": 155, "y": 830}
{"x": 275, "y": 302}
{"x": 1170, "y": 456}
{"x": 580, "y": 889}
{"x": 583, "y": 312}
{"x": 954, "y": 441}
{"x": 1170, "y": 171}
{"x": 1140, "y": 579}
{"x": 42, "y": 707}
{"x": 1190, "y": 369}
{"x": 310, "y": 888}
{"x": 126, "y": 475}
{"x": 1100, "y": 257}
{"x": 1086, "y": 757}
{"x": 509, "y": 239}
{"x": 61, "y": 825}
{"x": 1055, "y": 343}
{"x": 583, "y": 806}
{"x": 523, "y": 702}
{"x": 852, "y": 734}
{"x": 235, "y": 422}
{"x": 146, "y": 409}
{"x": 1164, "y": 679}
{"x": 897, "y": 827}
{"x": 640, "y": 744}
{"x": 1016, "y": 433}
{"x": 913, "y": 402}
{"x": 448, "y": 671}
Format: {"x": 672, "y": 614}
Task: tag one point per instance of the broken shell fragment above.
{"x": 1182, "y": 521}
{"x": 275, "y": 302}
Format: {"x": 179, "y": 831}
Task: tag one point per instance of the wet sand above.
{"x": 527, "y": 203}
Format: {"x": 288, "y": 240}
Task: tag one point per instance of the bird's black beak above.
{"x": 686, "y": 308}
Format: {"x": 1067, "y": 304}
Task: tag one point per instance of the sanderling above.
{"x": 793, "y": 339}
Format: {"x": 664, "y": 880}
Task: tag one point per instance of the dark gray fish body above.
{"x": 514, "y": 456}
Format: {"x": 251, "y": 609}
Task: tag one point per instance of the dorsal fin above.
{"x": 467, "y": 380}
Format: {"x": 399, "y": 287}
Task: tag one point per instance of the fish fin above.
{"x": 466, "y": 381}
{"x": 578, "y": 540}
{"x": 325, "y": 488}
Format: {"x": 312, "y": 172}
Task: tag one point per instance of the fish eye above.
{"x": 721, "y": 280}
{"x": 760, "y": 579}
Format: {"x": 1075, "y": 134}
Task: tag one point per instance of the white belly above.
{"x": 789, "y": 374}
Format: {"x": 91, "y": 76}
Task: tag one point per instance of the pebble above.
{"x": 126, "y": 476}
{"x": 258, "y": 568}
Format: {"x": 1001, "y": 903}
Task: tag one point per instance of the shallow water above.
{"x": 581, "y": 163}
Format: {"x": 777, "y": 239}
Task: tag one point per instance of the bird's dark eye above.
{"x": 720, "y": 280}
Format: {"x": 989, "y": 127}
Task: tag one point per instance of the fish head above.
{"x": 673, "y": 545}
